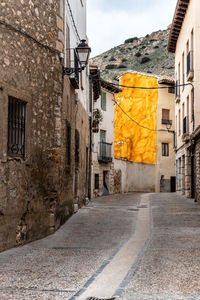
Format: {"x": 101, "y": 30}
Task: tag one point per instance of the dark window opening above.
{"x": 16, "y": 126}
{"x": 96, "y": 181}
{"x": 165, "y": 149}
{"x": 68, "y": 145}
{"x": 76, "y": 148}
{"x": 171, "y": 90}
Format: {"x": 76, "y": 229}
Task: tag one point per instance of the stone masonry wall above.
{"x": 35, "y": 192}
{"x": 197, "y": 171}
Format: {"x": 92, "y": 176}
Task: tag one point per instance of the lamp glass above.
{"x": 83, "y": 52}
{"x": 168, "y": 126}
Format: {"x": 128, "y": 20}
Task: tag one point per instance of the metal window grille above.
{"x": 165, "y": 149}
{"x": 16, "y": 126}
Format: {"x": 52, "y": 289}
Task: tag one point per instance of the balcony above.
{"x": 190, "y": 70}
{"x": 105, "y": 152}
{"x": 72, "y": 62}
{"x": 177, "y": 91}
{"x": 185, "y": 136}
{"x": 166, "y": 121}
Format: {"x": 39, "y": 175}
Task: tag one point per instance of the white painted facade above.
{"x": 77, "y": 31}
{"x": 104, "y": 170}
{"x": 187, "y": 108}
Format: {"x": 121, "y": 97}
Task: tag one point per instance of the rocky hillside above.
{"x": 147, "y": 54}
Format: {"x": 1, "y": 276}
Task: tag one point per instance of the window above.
{"x": 96, "y": 181}
{"x": 76, "y": 148}
{"x": 103, "y": 101}
{"x": 183, "y": 69}
{"x": 171, "y": 90}
{"x": 188, "y": 113}
{"x": 16, "y": 126}
{"x": 192, "y": 105}
{"x": 68, "y": 141}
{"x": 165, "y": 149}
{"x": 165, "y": 116}
{"x": 179, "y": 122}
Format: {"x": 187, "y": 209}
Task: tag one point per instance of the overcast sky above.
{"x": 110, "y": 22}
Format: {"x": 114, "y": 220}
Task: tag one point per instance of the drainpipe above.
{"x": 65, "y": 33}
{"x": 90, "y": 138}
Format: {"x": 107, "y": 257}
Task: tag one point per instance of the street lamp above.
{"x": 82, "y": 53}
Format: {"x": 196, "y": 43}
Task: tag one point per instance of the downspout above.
{"x": 90, "y": 138}
{"x": 65, "y": 34}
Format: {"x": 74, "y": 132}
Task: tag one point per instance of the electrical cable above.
{"x": 21, "y": 31}
{"x": 73, "y": 21}
{"x": 152, "y": 88}
{"x": 147, "y": 88}
{"x": 154, "y": 130}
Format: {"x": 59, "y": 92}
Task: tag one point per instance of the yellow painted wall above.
{"x": 133, "y": 142}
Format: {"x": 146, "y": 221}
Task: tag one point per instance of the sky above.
{"x": 111, "y": 22}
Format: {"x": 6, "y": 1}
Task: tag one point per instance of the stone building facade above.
{"x": 44, "y": 130}
{"x": 184, "y": 42}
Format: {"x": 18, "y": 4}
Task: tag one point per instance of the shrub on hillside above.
{"x": 145, "y": 59}
{"x": 138, "y": 54}
{"x": 131, "y": 40}
{"x": 124, "y": 60}
{"x": 121, "y": 66}
{"x": 110, "y": 67}
{"x": 112, "y": 58}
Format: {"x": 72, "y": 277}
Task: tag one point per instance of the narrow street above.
{"x": 131, "y": 246}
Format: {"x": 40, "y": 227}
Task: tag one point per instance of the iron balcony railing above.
{"x": 177, "y": 91}
{"x": 105, "y": 152}
{"x": 72, "y": 62}
{"x": 190, "y": 62}
{"x": 166, "y": 121}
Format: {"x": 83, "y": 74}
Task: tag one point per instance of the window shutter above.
{"x": 165, "y": 114}
{"x": 103, "y": 101}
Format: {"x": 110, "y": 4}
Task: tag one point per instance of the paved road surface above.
{"x": 132, "y": 246}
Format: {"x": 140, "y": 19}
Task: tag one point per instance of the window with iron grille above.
{"x": 96, "y": 181}
{"x": 68, "y": 144}
{"x": 16, "y": 126}
{"x": 165, "y": 149}
{"x": 165, "y": 116}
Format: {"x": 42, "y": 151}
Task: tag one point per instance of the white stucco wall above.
{"x": 108, "y": 122}
{"x": 79, "y": 15}
{"x": 138, "y": 177}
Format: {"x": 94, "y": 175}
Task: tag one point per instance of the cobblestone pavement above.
{"x": 58, "y": 266}
{"x": 170, "y": 267}
{"x": 66, "y": 264}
